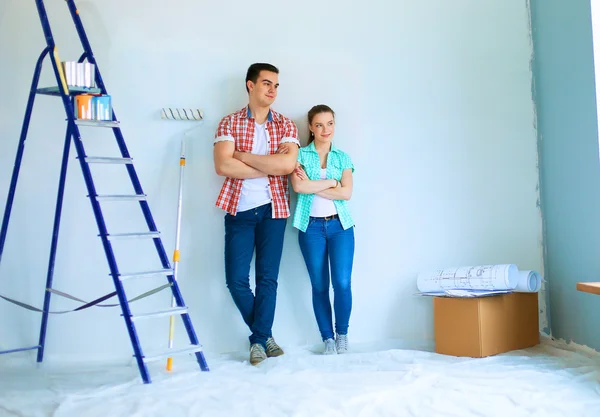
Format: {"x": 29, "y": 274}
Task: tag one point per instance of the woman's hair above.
{"x": 319, "y": 108}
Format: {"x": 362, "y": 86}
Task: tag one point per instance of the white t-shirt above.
{"x": 322, "y": 207}
{"x": 256, "y": 191}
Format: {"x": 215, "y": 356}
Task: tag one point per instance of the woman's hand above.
{"x": 299, "y": 172}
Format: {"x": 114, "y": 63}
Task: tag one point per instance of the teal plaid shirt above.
{"x": 337, "y": 162}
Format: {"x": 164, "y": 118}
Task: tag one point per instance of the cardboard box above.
{"x": 479, "y": 327}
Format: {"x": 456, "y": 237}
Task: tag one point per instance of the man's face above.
{"x": 264, "y": 91}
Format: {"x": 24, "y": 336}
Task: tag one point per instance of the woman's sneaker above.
{"x": 273, "y": 349}
{"x": 257, "y": 354}
{"x": 341, "y": 343}
{"x": 329, "y": 347}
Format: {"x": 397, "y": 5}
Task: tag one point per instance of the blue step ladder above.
{"x": 67, "y": 94}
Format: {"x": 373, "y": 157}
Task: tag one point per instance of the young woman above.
{"x": 323, "y": 181}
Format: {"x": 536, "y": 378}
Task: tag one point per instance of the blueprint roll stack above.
{"x": 478, "y": 281}
{"x": 480, "y": 277}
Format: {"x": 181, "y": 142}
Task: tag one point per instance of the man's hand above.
{"x": 239, "y": 155}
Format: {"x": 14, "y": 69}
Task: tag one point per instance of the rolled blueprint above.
{"x": 480, "y": 277}
{"x": 529, "y": 281}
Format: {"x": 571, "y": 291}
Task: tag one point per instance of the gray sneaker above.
{"x": 341, "y": 343}
{"x": 329, "y": 347}
{"x": 273, "y": 348}
{"x": 257, "y": 354}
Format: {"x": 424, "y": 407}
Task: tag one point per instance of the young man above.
{"x": 255, "y": 149}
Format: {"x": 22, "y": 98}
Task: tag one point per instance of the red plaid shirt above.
{"x": 239, "y": 128}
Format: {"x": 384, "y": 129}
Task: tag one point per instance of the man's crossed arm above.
{"x": 233, "y": 164}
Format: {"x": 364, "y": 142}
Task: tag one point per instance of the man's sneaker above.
{"x": 329, "y": 347}
{"x": 273, "y": 348}
{"x": 341, "y": 343}
{"x": 257, "y": 354}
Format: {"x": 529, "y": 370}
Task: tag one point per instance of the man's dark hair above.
{"x": 255, "y": 69}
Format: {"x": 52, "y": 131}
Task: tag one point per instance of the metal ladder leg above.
{"x": 57, "y": 215}
{"x": 21, "y": 149}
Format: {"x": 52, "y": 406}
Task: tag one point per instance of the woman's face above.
{"x": 323, "y": 127}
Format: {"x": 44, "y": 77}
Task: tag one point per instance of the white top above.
{"x": 256, "y": 191}
{"x": 322, "y": 207}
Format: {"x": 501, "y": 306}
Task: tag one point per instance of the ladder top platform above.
{"x": 73, "y": 91}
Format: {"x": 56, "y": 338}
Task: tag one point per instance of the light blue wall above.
{"x": 432, "y": 101}
{"x": 564, "y": 89}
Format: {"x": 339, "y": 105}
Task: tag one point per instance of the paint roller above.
{"x": 179, "y": 114}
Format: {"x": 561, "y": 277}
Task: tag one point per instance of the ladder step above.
{"x": 73, "y": 91}
{"x": 122, "y": 197}
{"x": 142, "y": 235}
{"x": 161, "y": 313}
{"x": 19, "y": 349}
{"x": 146, "y": 274}
{"x": 173, "y": 352}
{"x": 96, "y": 123}
{"x": 107, "y": 160}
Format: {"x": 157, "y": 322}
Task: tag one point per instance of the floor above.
{"x": 551, "y": 379}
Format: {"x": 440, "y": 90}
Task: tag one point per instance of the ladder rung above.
{"x": 107, "y": 160}
{"x": 142, "y": 235}
{"x": 173, "y": 352}
{"x": 161, "y": 313}
{"x": 96, "y": 123}
{"x": 19, "y": 349}
{"x": 122, "y": 197}
{"x": 146, "y": 274}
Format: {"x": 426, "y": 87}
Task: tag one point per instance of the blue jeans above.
{"x": 325, "y": 243}
{"x": 250, "y": 229}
